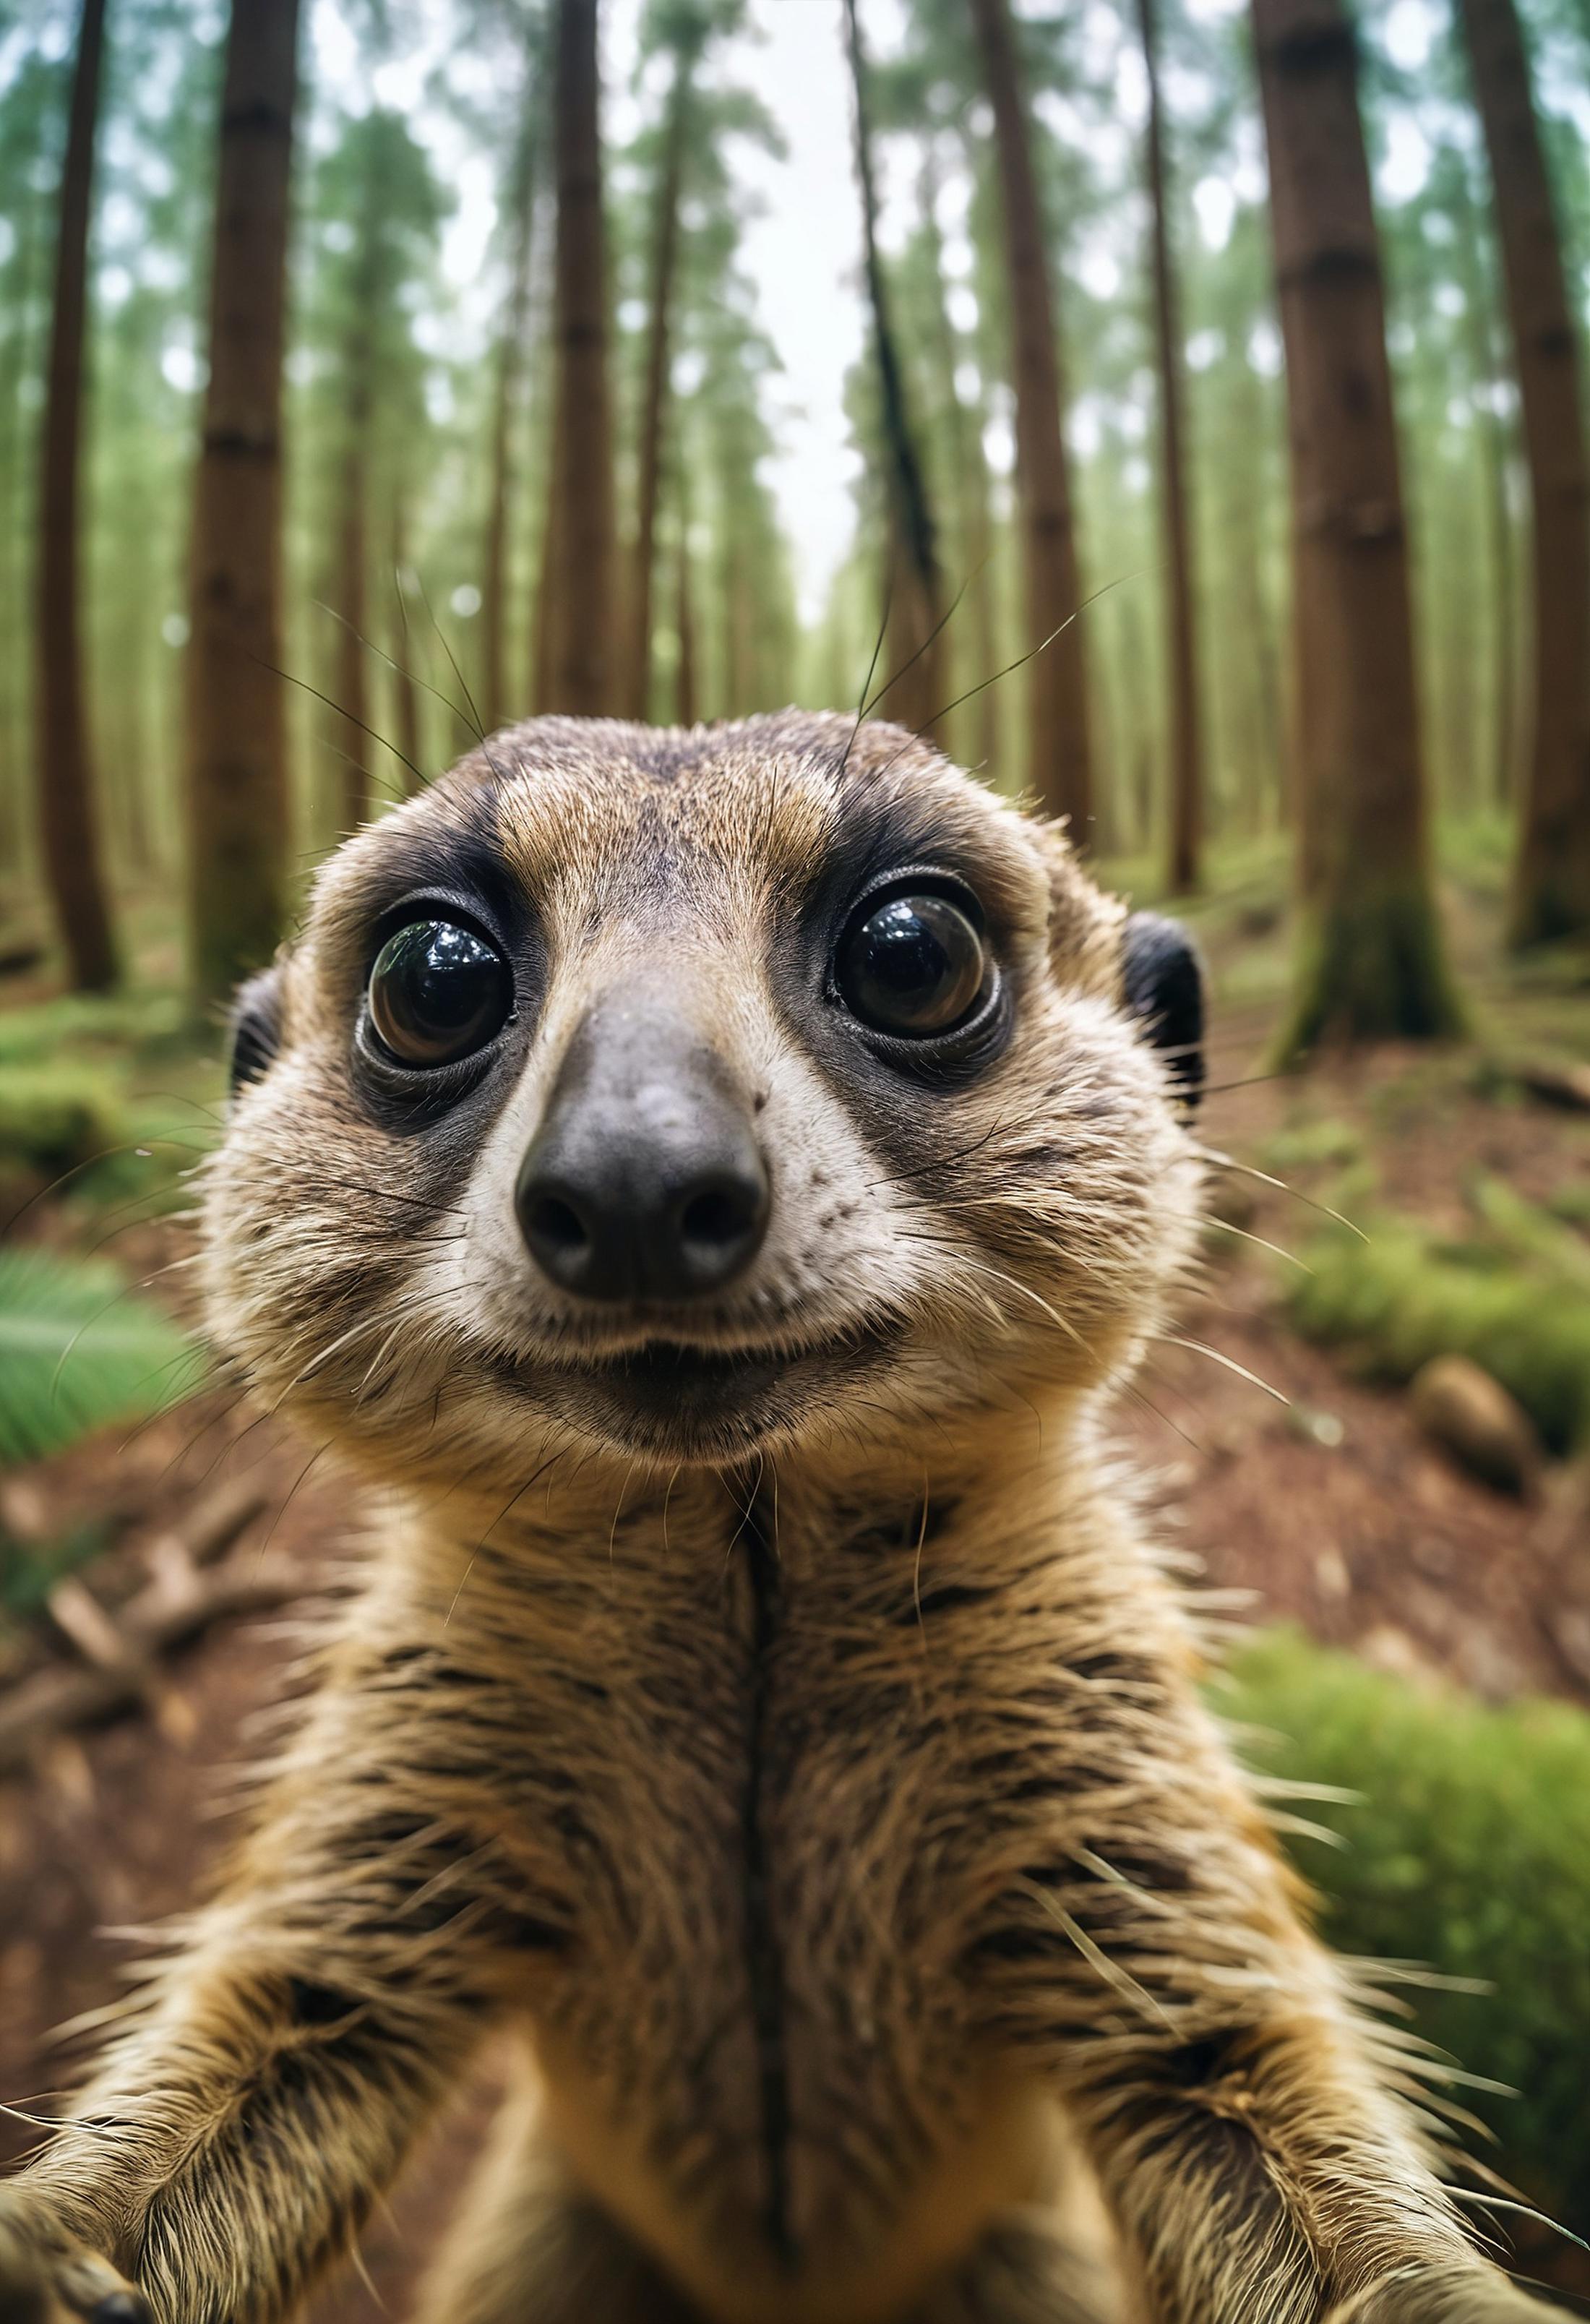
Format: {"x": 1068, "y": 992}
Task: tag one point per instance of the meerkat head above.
{"x": 681, "y": 1095}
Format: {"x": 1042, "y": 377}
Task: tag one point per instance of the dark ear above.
{"x": 1162, "y": 980}
{"x": 253, "y": 1030}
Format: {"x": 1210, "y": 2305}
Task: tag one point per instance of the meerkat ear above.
{"x": 1163, "y": 984}
{"x": 253, "y": 1030}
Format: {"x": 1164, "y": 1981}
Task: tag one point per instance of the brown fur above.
{"x": 815, "y": 1776}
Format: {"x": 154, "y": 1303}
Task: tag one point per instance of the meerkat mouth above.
{"x": 692, "y": 1399}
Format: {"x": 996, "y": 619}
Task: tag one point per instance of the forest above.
{"x": 1179, "y": 411}
{"x": 335, "y": 425}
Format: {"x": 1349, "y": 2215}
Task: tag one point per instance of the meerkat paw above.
{"x": 46, "y": 2278}
{"x": 1418, "y": 2295}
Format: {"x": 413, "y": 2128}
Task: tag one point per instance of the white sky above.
{"x": 803, "y": 252}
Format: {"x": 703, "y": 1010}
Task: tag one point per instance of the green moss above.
{"x": 54, "y": 1116}
{"x": 1372, "y": 968}
{"x": 1326, "y": 1144}
{"x": 1515, "y": 1299}
{"x": 1468, "y": 1850}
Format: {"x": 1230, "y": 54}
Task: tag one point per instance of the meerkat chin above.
{"x": 711, "y": 1183}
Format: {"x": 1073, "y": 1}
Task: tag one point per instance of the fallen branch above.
{"x": 170, "y": 1611}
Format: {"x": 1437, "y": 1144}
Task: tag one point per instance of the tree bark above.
{"x": 1494, "y": 439}
{"x": 69, "y": 817}
{"x": 686, "y": 684}
{"x": 915, "y": 691}
{"x": 353, "y": 691}
{"x": 1060, "y": 765}
{"x": 238, "y": 814}
{"x": 1551, "y": 871}
{"x": 1373, "y": 963}
{"x": 579, "y": 568}
{"x": 352, "y": 535}
{"x": 1186, "y": 767}
{"x": 497, "y": 707}
{"x": 665, "y": 253}
{"x": 981, "y": 713}
{"x": 408, "y": 720}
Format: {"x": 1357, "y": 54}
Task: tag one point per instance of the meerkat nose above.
{"x": 645, "y": 1180}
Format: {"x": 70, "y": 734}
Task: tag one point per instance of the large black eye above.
{"x": 914, "y": 967}
{"x": 438, "y": 991}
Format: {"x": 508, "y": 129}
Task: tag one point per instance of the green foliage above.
{"x": 77, "y": 1349}
{"x": 54, "y": 1117}
{"x": 1326, "y": 1144}
{"x": 1466, "y": 1848}
{"x": 1519, "y": 1305}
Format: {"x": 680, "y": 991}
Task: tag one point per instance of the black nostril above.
{"x": 554, "y": 1224}
{"x": 722, "y": 1216}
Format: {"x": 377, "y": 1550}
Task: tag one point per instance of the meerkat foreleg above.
{"x": 1251, "y": 2132}
{"x": 264, "y": 2094}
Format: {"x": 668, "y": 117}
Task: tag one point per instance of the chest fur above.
{"x": 778, "y": 1798}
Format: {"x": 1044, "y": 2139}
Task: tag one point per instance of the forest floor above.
{"x": 1317, "y": 1498}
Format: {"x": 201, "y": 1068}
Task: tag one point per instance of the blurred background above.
{"x": 1178, "y": 408}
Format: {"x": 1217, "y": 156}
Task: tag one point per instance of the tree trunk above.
{"x": 1552, "y": 872}
{"x": 687, "y": 684}
{"x": 1494, "y": 435}
{"x": 1373, "y": 964}
{"x": 915, "y": 690}
{"x": 406, "y": 721}
{"x": 1059, "y": 766}
{"x": 238, "y": 778}
{"x": 353, "y": 536}
{"x": 353, "y": 691}
{"x": 981, "y": 713}
{"x": 67, "y": 810}
{"x": 665, "y": 251}
{"x": 498, "y": 707}
{"x": 1186, "y": 755}
{"x": 579, "y": 568}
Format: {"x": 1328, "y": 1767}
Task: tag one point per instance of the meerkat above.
{"x": 711, "y": 1184}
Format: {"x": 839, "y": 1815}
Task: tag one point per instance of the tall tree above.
{"x": 511, "y": 350}
{"x": 578, "y": 595}
{"x": 1494, "y": 433}
{"x": 29, "y": 105}
{"x": 966, "y": 463}
{"x": 237, "y": 776}
{"x": 379, "y": 211}
{"x": 1373, "y": 963}
{"x": 684, "y": 31}
{"x": 1186, "y": 755}
{"x": 919, "y": 691}
{"x": 1059, "y": 763}
{"x": 1552, "y": 872}
{"x": 67, "y": 810}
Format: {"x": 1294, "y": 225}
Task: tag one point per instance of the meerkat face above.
{"x": 681, "y": 1096}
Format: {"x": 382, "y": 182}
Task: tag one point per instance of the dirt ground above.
{"x": 1322, "y": 1502}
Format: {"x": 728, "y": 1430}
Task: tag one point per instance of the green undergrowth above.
{"x": 108, "y": 1098}
{"x": 80, "y": 1348}
{"x": 1464, "y": 1849}
{"x": 1513, "y": 1296}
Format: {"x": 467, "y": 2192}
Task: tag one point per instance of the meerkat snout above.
{"x": 644, "y": 1179}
